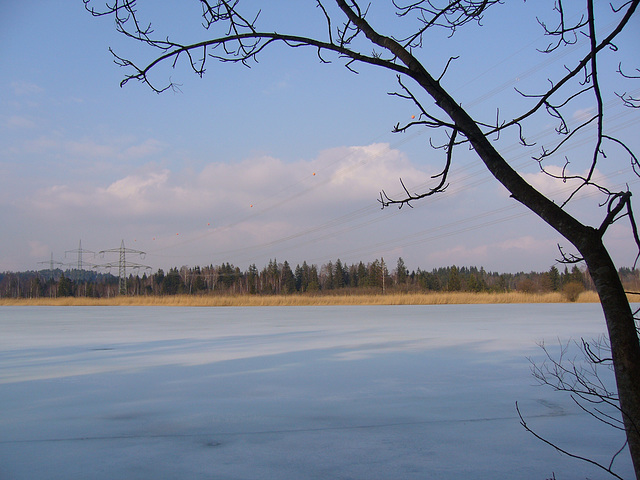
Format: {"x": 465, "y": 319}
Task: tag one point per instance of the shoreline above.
{"x": 436, "y": 298}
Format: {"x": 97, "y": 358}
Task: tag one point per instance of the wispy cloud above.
{"x": 476, "y": 255}
{"x": 55, "y": 145}
{"x": 88, "y": 149}
{"x": 17, "y": 121}
{"x": 37, "y": 249}
{"x": 552, "y": 185}
{"x": 526, "y": 242}
{"x": 25, "y": 88}
{"x": 144, "y": 149}
{"x": 584, "y": 114}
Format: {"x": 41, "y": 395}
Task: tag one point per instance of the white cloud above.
{"x": 359, "y": 165}
{"x": 137, "y": 187}
{"x": 299, "y": 190}
{"x": 365, "y": 170}
{"x": 263, "y": 208}
{"x": 546, "y": 183}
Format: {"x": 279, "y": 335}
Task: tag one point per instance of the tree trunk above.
{"x": 623, "y": 336}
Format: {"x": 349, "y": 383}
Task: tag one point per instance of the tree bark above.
{"x": 623, "y": 336}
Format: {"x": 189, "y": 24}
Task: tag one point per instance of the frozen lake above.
{"x": 410, "y": 392}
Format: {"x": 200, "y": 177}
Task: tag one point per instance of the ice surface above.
{"x": 411, "y": 392}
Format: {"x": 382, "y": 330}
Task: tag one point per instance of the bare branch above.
{"x": 451, "y": 16}
{"x": 624, "y": 199}
{"x": 625, "y": 75}
{"x": 425, "y": 117}
{"x": 444, "y": 71}
{"x": 566, "y": 35}
{"x": 563, "y": 451}
{"x": 572, "y": 73}
{"x": 386, "y": 201}
{"x": 568, "y": 258}
{"x": 328, "y": 18}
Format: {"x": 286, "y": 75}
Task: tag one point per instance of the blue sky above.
{"x": 284, "y": 160}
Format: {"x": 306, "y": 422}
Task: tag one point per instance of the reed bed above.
{"x": 436, "y": 298}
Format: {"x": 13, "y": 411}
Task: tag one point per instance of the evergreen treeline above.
{"x": 280, "y": 278}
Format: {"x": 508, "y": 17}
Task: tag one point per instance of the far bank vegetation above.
{"x": 334, "y": 279}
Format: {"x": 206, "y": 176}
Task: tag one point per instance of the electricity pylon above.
{"x": 123, "y": 264}
{"x": 51, "y": 264}
{"x": 80, "y": 252}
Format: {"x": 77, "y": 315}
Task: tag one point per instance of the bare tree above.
{"x": 231, "y": 34}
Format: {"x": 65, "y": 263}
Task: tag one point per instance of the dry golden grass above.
{"x": 437, "y": 298}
